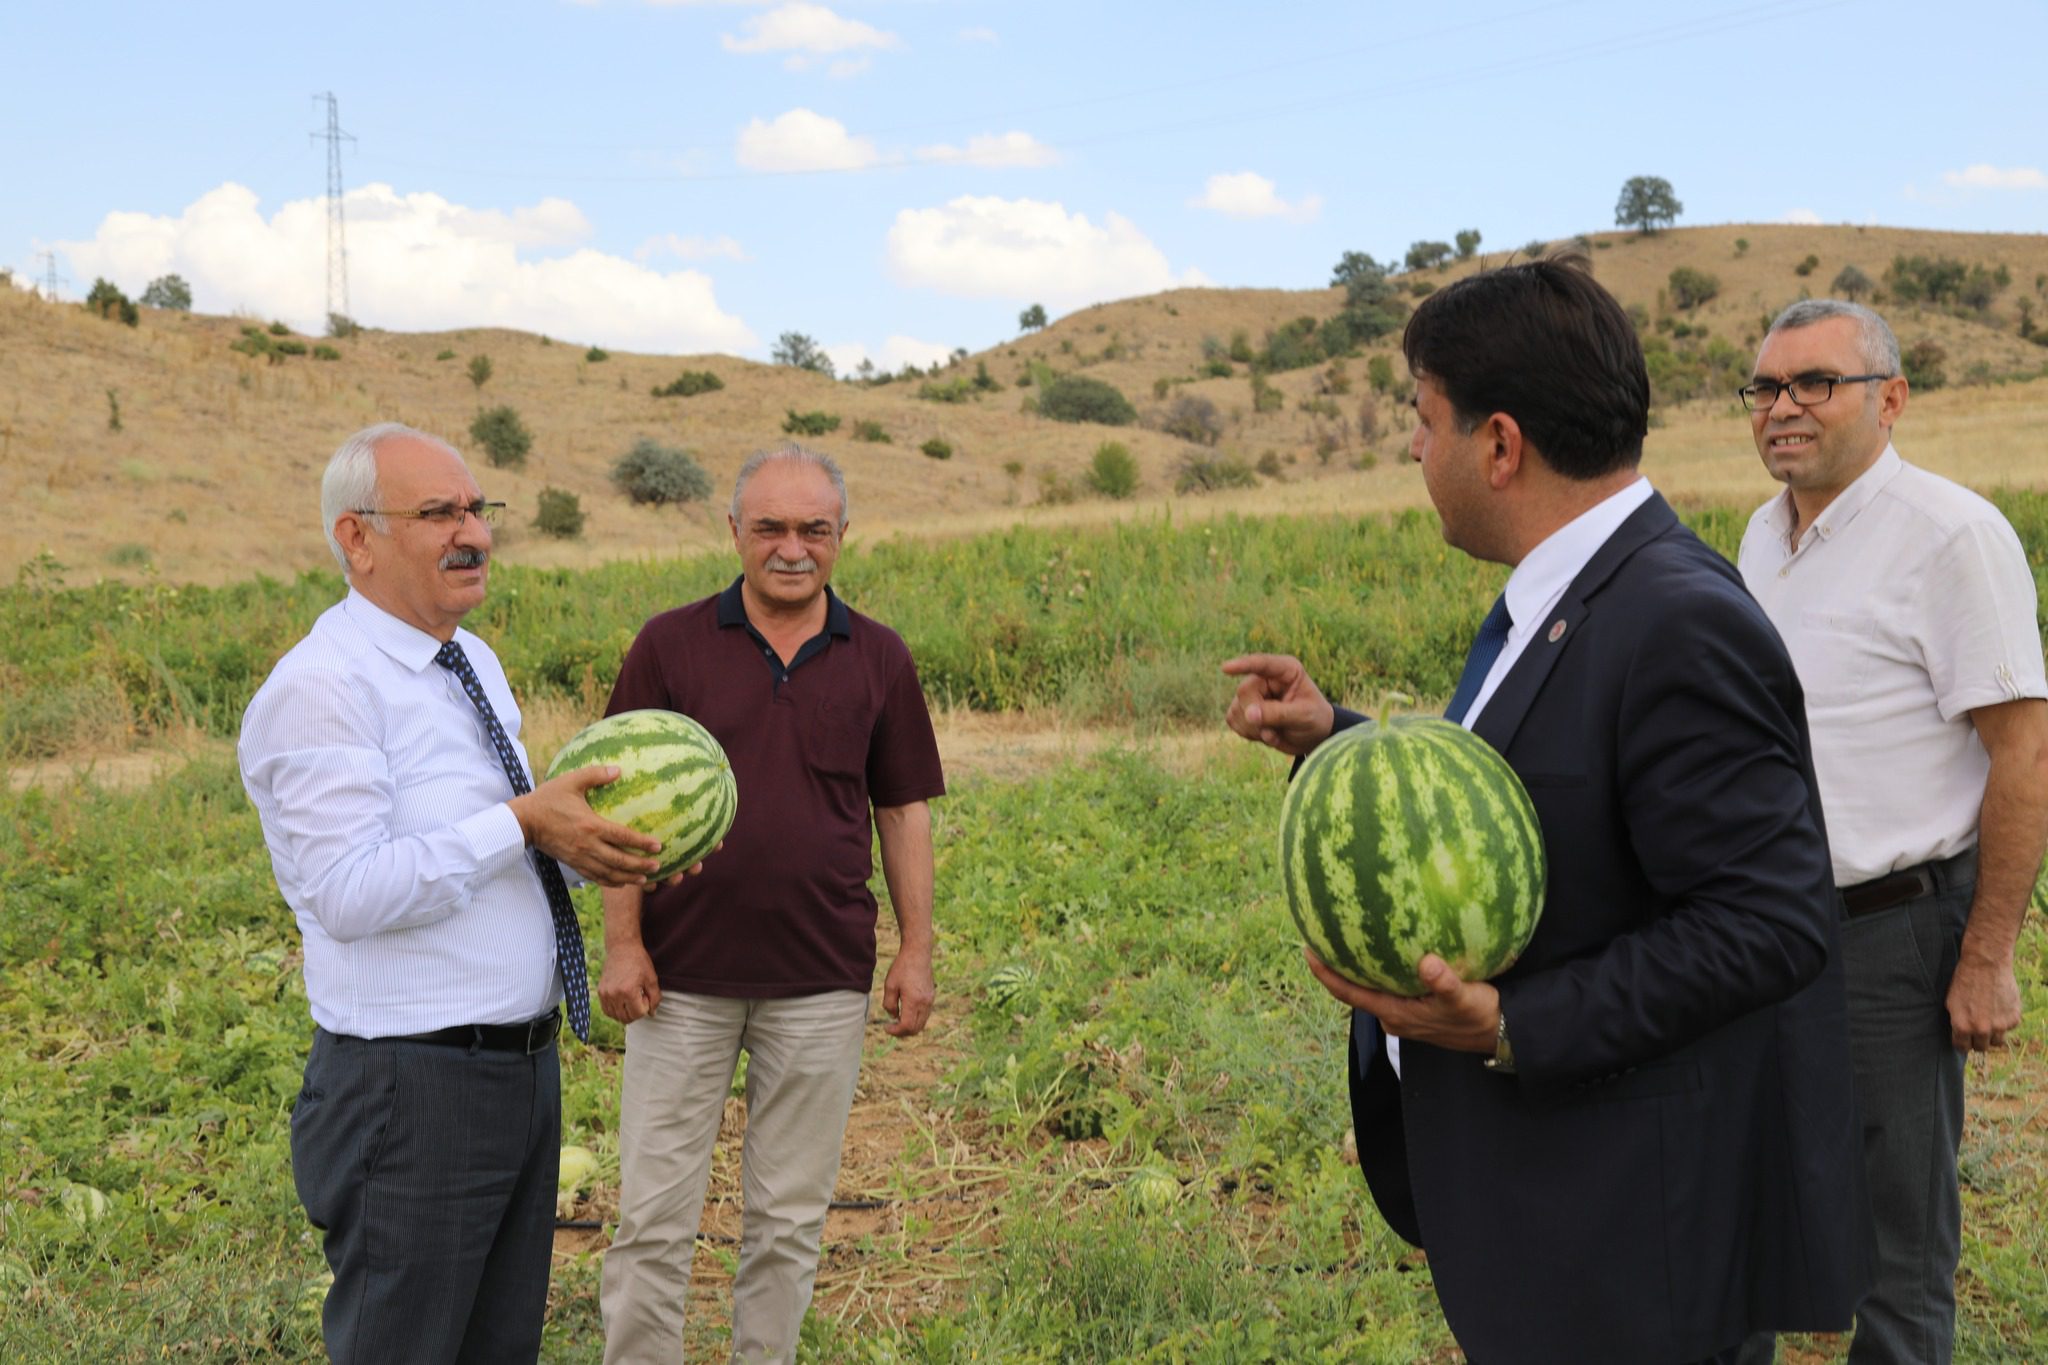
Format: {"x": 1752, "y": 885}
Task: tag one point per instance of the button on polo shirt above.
{"x": 784, "y": 908}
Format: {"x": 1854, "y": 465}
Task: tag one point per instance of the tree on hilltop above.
{"x": 168, "y": 292}
{"x": 801, "y": 352}
{"x": 1032, "y": 318}
{"x": 1468, "y": 242}
{"x": 1425, "y": 255}
{"x": 1369, "y": 306}
{"x": 1647, "y": 203}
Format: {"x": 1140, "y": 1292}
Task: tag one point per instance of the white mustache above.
{"x": 777, "y": 564}
{"x": 465, "y": 557}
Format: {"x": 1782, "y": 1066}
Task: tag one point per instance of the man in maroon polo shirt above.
{"x": 772, "y": 948}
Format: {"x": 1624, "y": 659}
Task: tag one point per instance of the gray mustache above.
{"x": 804, "y": 565}
{"x": 465, "y": 557}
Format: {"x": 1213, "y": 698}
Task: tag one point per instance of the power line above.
{"x": 337, "y": 229}
{"x": 50, "y": 276}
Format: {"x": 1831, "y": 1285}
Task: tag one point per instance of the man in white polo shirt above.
{"x": 1910, "y": 614}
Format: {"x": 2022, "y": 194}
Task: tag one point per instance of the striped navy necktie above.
{"x": 568, "y": 933}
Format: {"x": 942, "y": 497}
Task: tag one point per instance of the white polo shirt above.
{"x": 1907, "y": 604}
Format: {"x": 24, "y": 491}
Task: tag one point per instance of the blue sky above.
{"x": 899, "y": 177}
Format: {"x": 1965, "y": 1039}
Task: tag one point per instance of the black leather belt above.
{"x": 535, "y": 1035}
{"x": 1867, "y": 898}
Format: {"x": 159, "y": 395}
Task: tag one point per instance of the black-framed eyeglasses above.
{"x": 448, "y": 514}
{"x": 1807, "y": 390}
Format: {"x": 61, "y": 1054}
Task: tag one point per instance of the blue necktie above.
{"x": 1486, "y": 647}
{"x": 568, "y": 934}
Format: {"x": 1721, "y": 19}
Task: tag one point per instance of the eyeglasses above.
{"x": 449, "y": 514}
{"x": 1807, "y": 390}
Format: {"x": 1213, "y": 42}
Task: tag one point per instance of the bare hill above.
{"x": 213, "y": 473}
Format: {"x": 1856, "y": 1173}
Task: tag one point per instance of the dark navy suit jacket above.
{"x": 1676, "y": 1162}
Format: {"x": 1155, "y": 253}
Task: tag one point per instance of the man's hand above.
{"x": 1276, "y": 704}
{"x": 628, "y": 988}
{"x": 557, "y": 819}
{"x": 907, "y": 993}
{"x": 1983, "y": 1004}
{"x": 1463, "y": 1016}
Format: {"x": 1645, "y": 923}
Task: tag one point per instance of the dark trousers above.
{"x": 431, "y": 1170}
{"x": 1909, "y": 1088}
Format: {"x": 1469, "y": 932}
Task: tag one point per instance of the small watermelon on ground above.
{"x": 1006, "y": 984}
{"x": 674, "y": 782}
{"x": 1409, "y": 837}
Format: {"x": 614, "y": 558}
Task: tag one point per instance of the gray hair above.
{"x": 1874, "y": 336}
{"x": 350, "y": 483}
{"x": 790, "y": 450}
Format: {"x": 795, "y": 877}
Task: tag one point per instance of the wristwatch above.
{"x": 1503, "y": 1058}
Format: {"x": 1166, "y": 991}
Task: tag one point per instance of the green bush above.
{"x": 938, "y": 448}
{"x": 1240, "y": 347}
{"x": 1425, "y": 255}
{"x": 689, "y": 384}
{"x": 1218, "y": 367}
{"x": 1266, "y": 398}
{"x": 1292, "y": 346}
{"x": 1851, "y": 283}
{"x": 652, "y": 472}
{"x": 800, "y": 351}
{"x": 956, "y": 390}
{"x": 871, "y": 431}
{"x": 323, "y": 351}
{"x": 1379, "y": 372}
{"x": 1078, "y": 398}
{"x": 503, "y": 436}
{"x": 560, "y": 514}
{"x": 445, "y": 355}
{"x": 1925, "y": 363}
{"x": 1806, "y": 267}
{"x": 597, "y": 355}
{"x": 479, "y": 371}
{"x": 278, "y": 329}
{"x": 809, "y": 423}
{"x": 1208, "y": 473}
{"x": 109, "y": 302}
{"x": 1690, "y": 288}
{"x": 1193, "y": 418}
{"x": 254, "y": 341}
{"x": 1422, "y": 289}
{"x": 341, "y": 327}
{"x": 289, "y": 346}
{"x": 1114, "y": 471}
{"x": 1741, "y": 245}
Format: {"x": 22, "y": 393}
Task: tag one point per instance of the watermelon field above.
{"x": 1124, "y": 1136}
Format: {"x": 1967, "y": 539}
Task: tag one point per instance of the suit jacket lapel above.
{"x": 1509, "y": 705}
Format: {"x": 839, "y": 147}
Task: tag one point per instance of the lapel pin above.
{"x": 1557, "y": 630}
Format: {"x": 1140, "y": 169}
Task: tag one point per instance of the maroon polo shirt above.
{"x": 784, "y": 908}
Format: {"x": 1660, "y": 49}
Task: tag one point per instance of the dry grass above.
{"x": 213, "y": 476}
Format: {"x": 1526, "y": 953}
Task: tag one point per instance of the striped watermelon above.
{"x": 674, "y": 781}
{"x": 1409, "y": 838}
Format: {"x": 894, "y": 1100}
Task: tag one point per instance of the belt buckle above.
{"x": 541, "y": 1032}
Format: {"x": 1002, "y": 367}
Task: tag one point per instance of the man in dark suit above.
{"x": 1638, "y": 1144}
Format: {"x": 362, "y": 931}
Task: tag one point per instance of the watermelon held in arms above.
{"x": 674, "y": 781}
{"x": 1411, "y": 837}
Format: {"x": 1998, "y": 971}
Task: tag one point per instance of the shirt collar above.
{"x": 1546, "y": 571}
{"x": 1839, "y": 513}
{"x": 732, "y": 609}
{"x": 406, "y": 643}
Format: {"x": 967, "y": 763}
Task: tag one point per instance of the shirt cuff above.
{"x": 494, "y": 837}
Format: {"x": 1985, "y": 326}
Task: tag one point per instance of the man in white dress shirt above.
{"x": 1909, "y": 611}
{"x": 382, "y": 755}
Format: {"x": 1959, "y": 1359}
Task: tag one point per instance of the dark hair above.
{"x": 1544, "y": 343}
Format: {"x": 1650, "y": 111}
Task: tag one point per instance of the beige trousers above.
{"x": 803, "y": 1057}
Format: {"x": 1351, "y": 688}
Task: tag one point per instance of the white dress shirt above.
{"x": 1905, "y": 605}
{"x": 384, "y": 809}
{"x": 1536, "y": 586}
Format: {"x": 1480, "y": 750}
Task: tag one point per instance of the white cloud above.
{"x": 1248, "y": 194}
{"x": 1027, "y": 249}
{"x": 416, "y": 262}
{"x": 1803, "y": 217}
{"x": 803, "y": 141}
{"x": 977, "y": 35}
{"x": 894, "y": 354}
{"x": 839, "y": 70}
{"x": 801, "y": 27}
{"x": 994, "y": 149}
{"x": 1997, "y": 178}
{"x": 691, "y": 248}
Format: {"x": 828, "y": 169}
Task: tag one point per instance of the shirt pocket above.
{"x": 1832, "y": 654}
{"x": 838, "y": 738}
